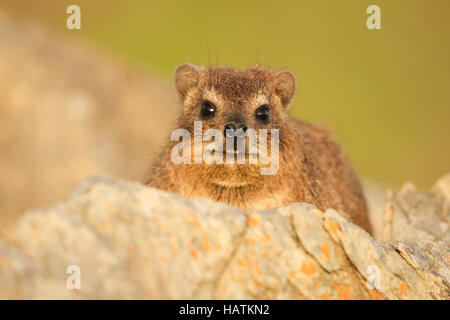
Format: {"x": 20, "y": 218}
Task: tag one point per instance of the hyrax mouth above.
{"x": 235, "y": 153}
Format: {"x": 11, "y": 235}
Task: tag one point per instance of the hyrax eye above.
{"x": 208, "y": 109}
{"x": 262, "y": 113}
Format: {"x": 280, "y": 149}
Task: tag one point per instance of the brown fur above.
{"x": 312, "y": 167}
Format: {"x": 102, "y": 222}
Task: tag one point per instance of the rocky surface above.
{"x": 418, "y": 217}
{"x": 132, "y": 241}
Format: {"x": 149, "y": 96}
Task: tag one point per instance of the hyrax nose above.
{"x": 229, "y": 130}
{"x": 235, "y": 130}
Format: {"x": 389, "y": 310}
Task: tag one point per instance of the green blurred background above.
{"x": 384, "y": 93}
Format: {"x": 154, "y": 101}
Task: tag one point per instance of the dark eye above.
{"x": 208, "y": 109}
{"x": 262, "y": 113}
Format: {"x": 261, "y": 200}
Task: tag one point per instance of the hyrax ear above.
{"x": 186, "y": 77}
{"x": 286, "y": 86}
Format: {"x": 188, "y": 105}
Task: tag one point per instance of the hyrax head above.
{"x": 227, "y": 99}
{"x": 240, "y": 103}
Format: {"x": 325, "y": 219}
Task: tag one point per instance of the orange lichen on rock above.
{"x": 325, "y": 249}
{"x": 331, "y": 225}
{"x": 403, "y": 290}
{"x": 257, "y": 268}
{"x": 318, "y": 214}
{"x": 241, "y": 262}
{"x": 376, "y": 295}
{"x": 206, "y": 243}
{"x": 252, "y": 221}
{"x": 371, "y": 256}
{"x": 325, "y": 296}
{"x": 343, "y": 292}
{"x": 308, "y": 268}
{"x": 193, "y": 252}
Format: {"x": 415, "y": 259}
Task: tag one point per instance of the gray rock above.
{"x": 132, "y": 241}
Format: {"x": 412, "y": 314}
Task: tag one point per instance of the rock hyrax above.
{"x": 311, "y": 166}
